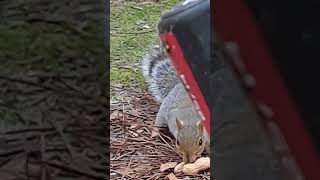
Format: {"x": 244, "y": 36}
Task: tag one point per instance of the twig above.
{"x": 128, "y": 165}
{"x": 136, "y": 7}
{"x": 166, "y": 142}
{"x": 133, "y": 33}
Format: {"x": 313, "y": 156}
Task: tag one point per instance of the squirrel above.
{"x": 177, "y": 111}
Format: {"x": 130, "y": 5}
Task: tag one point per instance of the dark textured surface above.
{"x": 240, "y": 149}
{"x": 52, "y": 120}
{"x": 292, "y": 35}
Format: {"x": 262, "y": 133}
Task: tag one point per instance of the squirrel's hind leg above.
{"x": 160, "y": 122}
{"x": 161, "y": 119}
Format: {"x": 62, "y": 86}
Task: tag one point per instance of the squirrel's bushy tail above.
{"x": 159, "y": 73}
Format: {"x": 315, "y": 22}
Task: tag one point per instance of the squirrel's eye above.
{"x": 178, "y": 143}
{"x": 200, "y": 142}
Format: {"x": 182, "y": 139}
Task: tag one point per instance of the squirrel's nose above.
{"x": 190, "y": 158}
{"x": 186, "y": 158}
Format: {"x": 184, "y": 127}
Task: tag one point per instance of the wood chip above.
{"x": 134, "y": 126}
{"x": 135, "y": 112}
{"x": 140, "y": 131}
{"x": 168, "y": 165}
{"x": 134, "y": 134}
{"x": 171, "y": 176}
{"x": 154, "y": 132}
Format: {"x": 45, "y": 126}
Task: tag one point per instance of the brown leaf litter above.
{"x": 139, "y": 150}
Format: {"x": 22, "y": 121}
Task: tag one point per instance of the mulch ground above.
{"x": 52, "y": 126}
{"x": 137, "y": 148}
{"x": 52, "y": 105}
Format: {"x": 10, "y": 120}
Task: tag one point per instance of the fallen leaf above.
{"x": 115, "y": 114}
{"x": 126, "y": 171}
{"x": 171, "y": 176}
{"x": 168, "y": 165}
{"x": 141, "y": 168}
{"x": 154, "y": 132}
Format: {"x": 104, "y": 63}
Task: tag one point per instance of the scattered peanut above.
{"x": 171, "y": 176}
{"x": 178, "y": 168}
{"x": 199, "y": 165}
{"x": 168, "y": 165}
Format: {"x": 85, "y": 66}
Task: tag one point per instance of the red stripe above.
{"x": 233, "y": 22}
{"x": 183, "y": 68}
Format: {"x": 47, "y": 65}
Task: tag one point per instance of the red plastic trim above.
{"x": 187, "y": 77}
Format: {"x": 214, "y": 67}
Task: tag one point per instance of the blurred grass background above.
{"x": 132, "y": 31}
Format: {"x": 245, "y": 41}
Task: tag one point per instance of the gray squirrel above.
{"x": 177, "y": 111}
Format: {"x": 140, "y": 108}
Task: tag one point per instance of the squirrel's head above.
{"x": 190, "y": 142}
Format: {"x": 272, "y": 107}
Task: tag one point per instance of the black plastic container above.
{"x": 185, "y": 32}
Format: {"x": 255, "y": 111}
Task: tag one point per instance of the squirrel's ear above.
{"x": 200, "y": 126}
{"x": 179, "y": 123}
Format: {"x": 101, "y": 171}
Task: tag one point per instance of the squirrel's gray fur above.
{"x": 159, "y": 73}
{"x": 168, "y": 89}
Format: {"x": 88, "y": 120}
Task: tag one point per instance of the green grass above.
{"x": 127, "y": 43}
{"x": 125, "y": 75}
